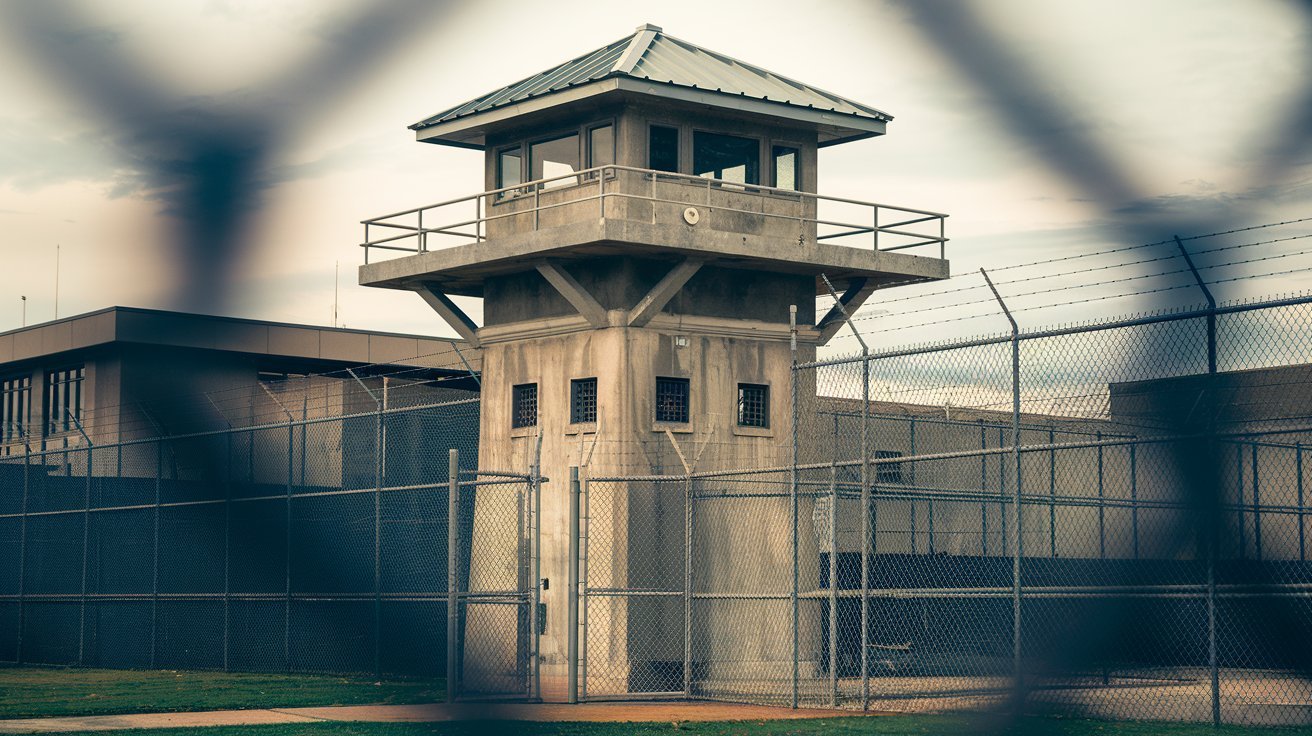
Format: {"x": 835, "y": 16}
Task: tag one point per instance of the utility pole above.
{"x": 24, "y": 298}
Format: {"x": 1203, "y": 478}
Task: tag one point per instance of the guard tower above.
{"x": 650, "y": 213}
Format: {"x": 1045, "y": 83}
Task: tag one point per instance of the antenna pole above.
{"x": 56, "y": 280}
{"x": 24, "y": 298}
{"x": 337, "y": 280}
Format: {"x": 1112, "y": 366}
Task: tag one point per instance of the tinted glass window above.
{"x": 663, "y": 149}
{"x": 785, "y": 167}
{"x": 554, "y": 158}
{"x": 726, "y": 157}
{"x": 509, "y": 168}
{"x": 601, "y": 146}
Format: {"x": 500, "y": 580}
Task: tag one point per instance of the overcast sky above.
{"x": 1044, "y": 129}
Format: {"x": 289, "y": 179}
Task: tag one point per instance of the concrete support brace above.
{"x": 448, "y": 311}
{"x": 661, "y": 294}
{"x": 574, "y": 293}
{"x": 858, "y": 291}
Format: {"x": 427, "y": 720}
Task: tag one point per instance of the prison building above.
{"x": 189, "y": 491}
{"x": 649, "y": 239}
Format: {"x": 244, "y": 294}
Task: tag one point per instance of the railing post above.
{"x": 452, "y": 574}
{"x": 572, "y": 606}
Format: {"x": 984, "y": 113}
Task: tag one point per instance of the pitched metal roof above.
{"x": 650, "y": 55}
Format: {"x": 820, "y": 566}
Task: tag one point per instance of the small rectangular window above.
{"x": 753, "y": 405}
{"x": 64, "y": 399}
{"x": 555, "y": 160}
{"x": 15, "y": 400}
{"x": 889, "y": 472}
{"x": 510, "y": 169}
{"x": 663, "y": 148}
{"x": 524, "y": 405}
{"x": 582, "y": 400}
{"x": 727, "y": 157}
{"x": 672, "y": 400}
{"x": 785, "y": 167}
{"x": 601, "y": 146}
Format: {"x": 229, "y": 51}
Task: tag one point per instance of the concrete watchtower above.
{"x": 649, "y": 215}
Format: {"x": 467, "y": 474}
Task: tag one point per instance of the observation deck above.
{"x": 620, "y": 210}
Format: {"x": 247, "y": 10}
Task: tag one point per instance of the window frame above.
{"x": 15, "y": 395}
{"x": 517, "y": 420}
{"x": 765, "y": 404}
{"x": 576, "y": 417}
{"x": 64, "y": 423}
{"x": 686, "y": 412}
{"x": 498, "y": 176}
{"x": 588, "y": 157}
{"x": 762, "y": 148}
{"x": 524, "y": 147}
{"x": 678, "y": 146}
{"x": 797, "y": 164}
{"x": 580, "y": 144}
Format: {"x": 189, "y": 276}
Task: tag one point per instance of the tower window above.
{"x": 524, "y": 405}
{"x": 510, "y": 169}
{"x": 727, "y": 157}
{"x": 663, "y": 148}
{"x": 601, "y": 146}
{"x": 753, "y": 405}
{"x": 785, "y": 167}
{"x": 582, "y": 400}
{"x": 672, "y": 400}
{"x": 555, "y": 158}
{"x": 15, "y": 396}
{"x": 64, "y": 399}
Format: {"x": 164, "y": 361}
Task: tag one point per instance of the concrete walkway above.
{"x": 606, "y": 712}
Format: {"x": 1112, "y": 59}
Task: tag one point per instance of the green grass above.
{"x": 29, "y": 692}
{"x": 872, "y": 726}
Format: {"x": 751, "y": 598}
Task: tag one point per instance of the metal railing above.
{"x": 819, "y": 218}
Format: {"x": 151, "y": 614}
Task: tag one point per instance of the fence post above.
{"x": 154, "y": 585}
{"x": 227, "y": 550}
{"x": 86, "y": 555}
{"x": 687, "y": 585}
{"x": 535, "y": 574}
{"x": 452, "y": 572}
{"x": 287, "y": 552}
{"x": 572, "y": 591}
{"x": 380, "y": 451}
{"x": 1016, "y": 497}
{"x": 792, "y": 497}
{"x": 833, "y": 585}
{"x": 22, "y": 551}
{"x": 867, "y": 542}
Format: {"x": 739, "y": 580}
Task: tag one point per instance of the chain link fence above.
{"x": 318, "y": 545}
{"x": 1107, "y": 520}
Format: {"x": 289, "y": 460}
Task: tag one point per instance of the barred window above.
{"x": 524, "y": 405}
{"x": 672, "y": 400}
{"x": 582, "y": 400}
{"x": 15, "y": 400}
{"x": 753, "y": 405}
{"x": 890, "y": 472}
{"x": 64, "y": 399}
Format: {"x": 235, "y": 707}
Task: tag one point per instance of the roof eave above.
{"x": 466, "y": 131}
